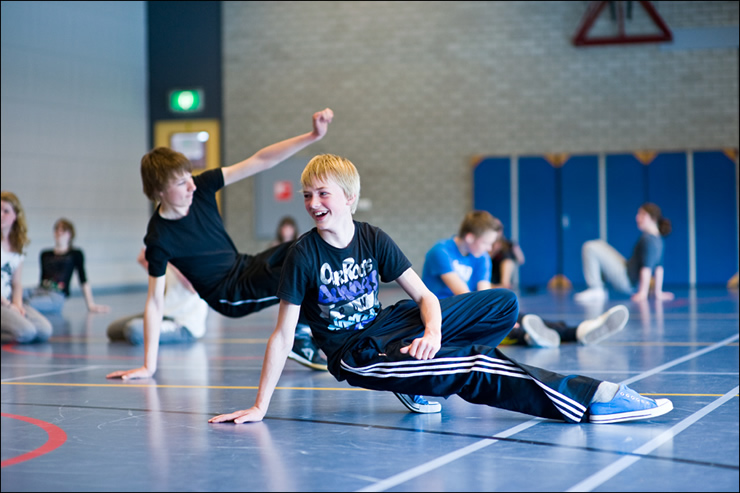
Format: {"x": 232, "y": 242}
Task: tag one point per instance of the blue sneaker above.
{"x": 418, "y": 404}
{"x": 628, "y": 405}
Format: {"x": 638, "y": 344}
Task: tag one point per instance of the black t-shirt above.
{"x": 337, "y": 288}
{"x": 57, "y": 270}
{"x": 197, "y": 244}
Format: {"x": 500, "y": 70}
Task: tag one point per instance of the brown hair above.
{"x": 286, "y": 221}
{"x": 664, "y": 225}
{"x": 158, "y": 167}
{"x": 18, "y": 235}
{"x": 66, "y": 225}
{"x": 478, "y": 223}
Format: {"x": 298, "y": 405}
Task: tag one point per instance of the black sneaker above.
{"x": 307, "y": 353}
{"x": 418, "y": 404}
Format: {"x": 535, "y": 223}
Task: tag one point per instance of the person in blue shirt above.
{"x": 462, "y": 263}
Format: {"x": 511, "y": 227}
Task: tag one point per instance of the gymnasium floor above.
{"x": 66, "y": 428}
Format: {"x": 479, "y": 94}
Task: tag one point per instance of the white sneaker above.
{"x": 591, "y": 294}
{"x": 605, "y": 325}
{"x": 168, "y": 326}
{"x": 540, "y": 335}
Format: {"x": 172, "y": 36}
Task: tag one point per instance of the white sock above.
{"x": 605, "y": 392}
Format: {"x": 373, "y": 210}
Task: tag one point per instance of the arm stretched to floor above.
{"x": 278, "y": 347}
{"x": 153, "y": 311}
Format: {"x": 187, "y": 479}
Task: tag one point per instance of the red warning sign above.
{"x": 283, "y": 191}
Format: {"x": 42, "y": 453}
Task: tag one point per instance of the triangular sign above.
{"x": 581, "y": 37}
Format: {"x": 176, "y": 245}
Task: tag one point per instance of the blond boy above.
{"x": 418, "y": 346}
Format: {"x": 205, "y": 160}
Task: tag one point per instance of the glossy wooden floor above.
{"x": 66, "y": 428}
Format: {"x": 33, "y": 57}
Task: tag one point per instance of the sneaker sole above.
{"x": 664, "y": 406}
{"x": 590, "y": 298}
{"x": 432, "y": 407}
{"x": 615, "y": 321}
{"x": 541, "y": 334}
{"x": 300, "y": 359}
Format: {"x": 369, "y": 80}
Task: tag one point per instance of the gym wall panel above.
{"x": 538, "y": 221}
{"x": 580, "y": 212}
{"x": 667, "y": 188}
{"x": 558, "y": 210}
{"x": 625, "y": 193}
{"x": 491, "y": 189}
{"x": 715, "y": 206}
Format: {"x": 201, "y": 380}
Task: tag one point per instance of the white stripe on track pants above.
{"x": 468, "y": 364}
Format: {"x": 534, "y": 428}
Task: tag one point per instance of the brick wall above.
{"x": 420, "y": 88}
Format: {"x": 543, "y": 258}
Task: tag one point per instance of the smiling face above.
{"x": 327, "y": 204}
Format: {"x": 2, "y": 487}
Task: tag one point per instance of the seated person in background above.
{"x": 287, "y": 230}
{"x": 461, "y": 264}
{"x": 184, "y": 315}
{"x": 57, "y": 266}
{"x": 506, "y": 257}
{"x": 632, "y": 276}
{"x": 20, "y": 322}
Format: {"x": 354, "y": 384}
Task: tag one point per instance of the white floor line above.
{"x": 678, "y": 361}
{"x": 60, "y": 372}
{"x": 446, "y": 459}
{"x": 612, "y": 470}
{"x": 412, "y": 473}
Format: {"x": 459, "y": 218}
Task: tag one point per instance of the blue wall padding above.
{"x": 580, "y": 214}
{"x": 625, "y": 193}
{"x": 491, "y": 189}
{"x": 667, "y": 188}
{"x": 559, "y": 211}
{"x": 715, "y": 206}
{"x": 538, "y": 221}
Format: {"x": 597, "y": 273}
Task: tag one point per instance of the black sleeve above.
{"x": 79, "y": 259}
{"x": 294, "y": 277}
{"x": 393, "y": 262}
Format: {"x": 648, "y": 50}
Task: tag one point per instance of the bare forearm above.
{"x": 278, "y": 347}
{"x": 268, "y": 157}
{"x": 87, "y": 292}
{"x": 645, "y": 276}
{"x": 431, "y": 316}
{"x": 152, "y": 326}
{"x": 271, "y": 155}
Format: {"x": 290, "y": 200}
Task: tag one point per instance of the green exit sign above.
{"x": 186, "y": 100}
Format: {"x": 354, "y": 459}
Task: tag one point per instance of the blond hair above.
{"x": 18, "y": 235}
{"x": 325, "y": 167}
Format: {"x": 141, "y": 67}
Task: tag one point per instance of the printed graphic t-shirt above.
{"x": 337, "y": 288}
